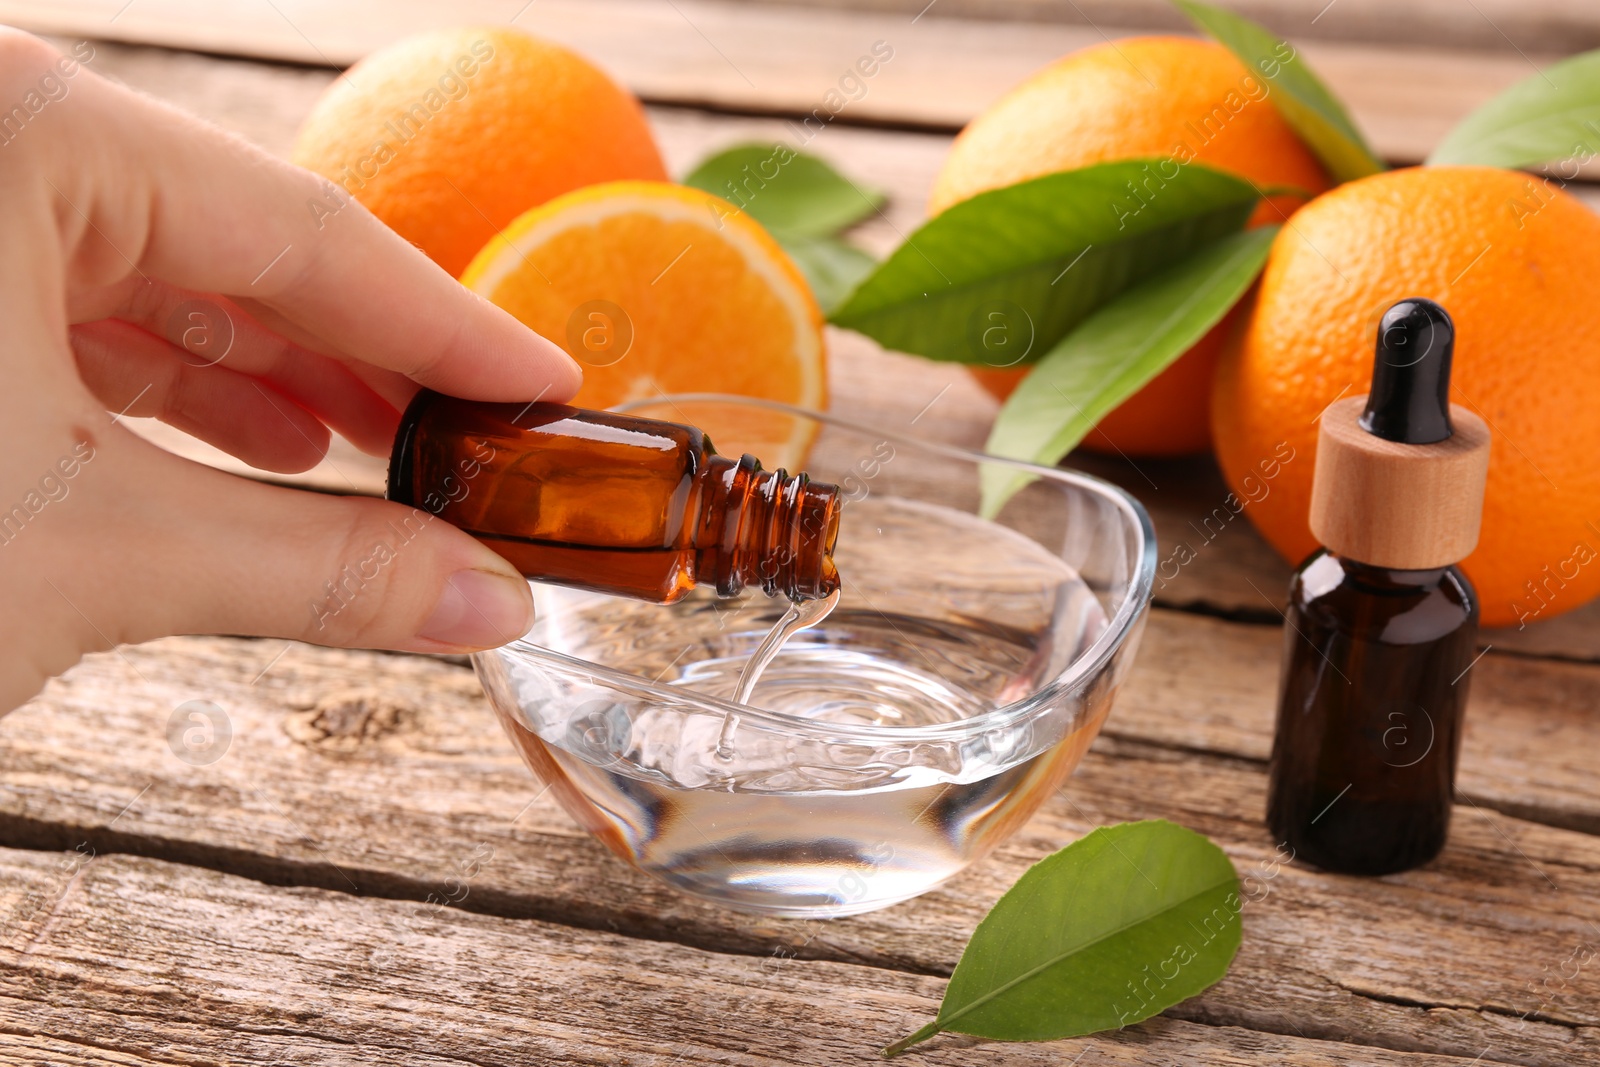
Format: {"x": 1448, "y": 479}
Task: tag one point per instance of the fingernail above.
{"x": 574, "y": 374}
{"x": 479, "y": 609}
{"x": 573, "y": 369}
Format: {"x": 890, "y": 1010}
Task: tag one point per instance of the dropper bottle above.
{"x": 1382, "y": 624}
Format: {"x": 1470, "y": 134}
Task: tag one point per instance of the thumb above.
{"x": 221, "y": 554}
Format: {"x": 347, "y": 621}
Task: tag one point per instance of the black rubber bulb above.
{"x": 1410, "y": 397}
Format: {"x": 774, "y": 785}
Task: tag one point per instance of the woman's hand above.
{"x": 126, "y": 223}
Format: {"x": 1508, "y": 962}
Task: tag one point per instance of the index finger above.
{"x": 205, "y": 210}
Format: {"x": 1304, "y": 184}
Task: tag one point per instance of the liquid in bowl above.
{"x": 885, "y": 751}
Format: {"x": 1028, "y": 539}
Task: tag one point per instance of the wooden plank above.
{"x": 129, "y": 960}
{"x": 1208, "y": 685}
{"x": 1557, "y": 26}
{"x": 780, "y": 59}
{"x": 386, "y": 775}
{"x": 1530, "y": 727}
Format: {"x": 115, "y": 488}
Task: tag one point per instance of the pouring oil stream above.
{"x": 802, "y": 614}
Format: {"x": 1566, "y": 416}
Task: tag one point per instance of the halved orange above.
{"x": 659, "y": 289}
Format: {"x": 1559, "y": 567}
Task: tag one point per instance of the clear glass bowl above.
{"x": 967, "y": 668}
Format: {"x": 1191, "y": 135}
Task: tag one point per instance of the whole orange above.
{"x": 1514, "y": 262}
{"x": 1143, "y": 97}
{"x": 448, "y": 136}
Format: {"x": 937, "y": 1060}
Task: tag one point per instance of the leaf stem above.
{"x": 914, "y": 1039}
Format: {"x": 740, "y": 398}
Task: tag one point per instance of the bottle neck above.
{"x": 1391, "y": 579}
{"x": 765, "y": 528}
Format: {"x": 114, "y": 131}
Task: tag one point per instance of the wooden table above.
{"x": 368, "y": 875}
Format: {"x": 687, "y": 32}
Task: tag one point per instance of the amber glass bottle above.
{"x": 622, "y": 505}
{"x": 1381, "y": 624}
{"x": 1369, "y": 727}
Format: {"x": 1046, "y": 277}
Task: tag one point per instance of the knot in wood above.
{"x": 345, "y": 720}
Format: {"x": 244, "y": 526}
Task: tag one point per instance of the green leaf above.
{"x": 833, "y": 267}
{"x": 1551, "y": 116}
{"x": 1001, "y": 277}
{"x": 1299, "y": 95}
{"x": 790, "y": 193}
{"x": 1116, "y": 927}
{"x": 1114, "y": 353}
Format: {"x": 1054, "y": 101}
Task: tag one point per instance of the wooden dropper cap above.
{"x": 1400, "y": 472}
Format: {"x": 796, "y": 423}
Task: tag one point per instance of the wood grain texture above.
{"x": 125, "y": 960}
{"x": 507, "y": 936}
{"x": 386, "y": 776}
{"x": 1498, "y": 25}
{"x": 780, "y": 59}
{"x": 1208, "y": 685}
